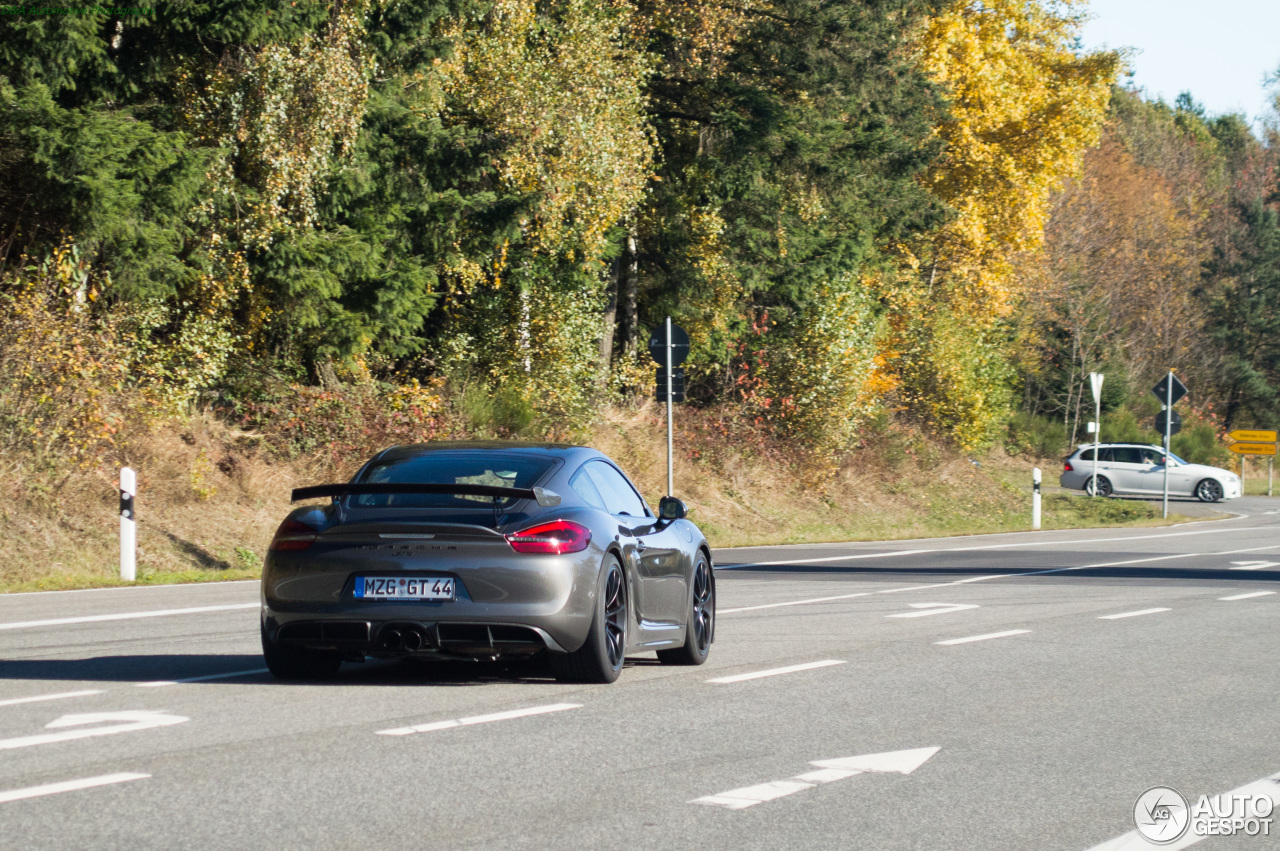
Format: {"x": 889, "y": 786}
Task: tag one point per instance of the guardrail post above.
{"x": 128, "y": 525}
{"x": 1035, "y": 499}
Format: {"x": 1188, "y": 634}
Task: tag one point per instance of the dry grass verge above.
{"x": 210, "y": 496}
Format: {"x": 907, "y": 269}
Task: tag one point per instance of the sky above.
{"x": 1219, "y": 50}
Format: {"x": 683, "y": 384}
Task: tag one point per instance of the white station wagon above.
{"x": 1135, "y": 468}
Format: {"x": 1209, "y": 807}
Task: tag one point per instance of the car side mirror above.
{"x": 670, "y": 508}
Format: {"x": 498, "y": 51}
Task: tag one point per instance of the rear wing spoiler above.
{"x": 545, "y": 498}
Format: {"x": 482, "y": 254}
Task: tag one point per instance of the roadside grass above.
{"x": 210, "y": 498}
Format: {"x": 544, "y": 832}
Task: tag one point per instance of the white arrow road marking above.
{"x": 933, "y": 609}
{"x": 1134, "y": 841}
{"x": 1248, "y": 596}
{"x": 894, "y": 762}
{"x": 65, "y": 694}
{"x": 125, "y": 616}
{"x": 1254, "y": 565}
{"x": 479, "y": 719}
{"x": 773, "y": 672}
{"x": 128, "y": 722}
{"x": 68, "y": 786}
{"x": 1132, "y": 614}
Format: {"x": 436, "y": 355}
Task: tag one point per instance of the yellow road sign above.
{"x": 1247, "y": 436}
{"x": 1253, "y": 448}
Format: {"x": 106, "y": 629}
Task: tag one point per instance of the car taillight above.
{"x": 1066, "y": 467}
{"x": 293, "y": 535}
{"x": 557, "y": 538}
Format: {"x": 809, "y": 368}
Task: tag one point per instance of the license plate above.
{"x": 404, "y": 588}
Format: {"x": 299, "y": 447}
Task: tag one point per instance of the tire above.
{"x": 600, "y": 658}
{"x": 1209, "y": 490}
{"x": 1104, "y": 486}
{"x": 700, "y": 624}
{"x": 298, "y": 663}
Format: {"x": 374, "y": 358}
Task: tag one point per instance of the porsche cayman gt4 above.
{"x": 482, "y": 551}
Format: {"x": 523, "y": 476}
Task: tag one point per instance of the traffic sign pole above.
{"x": 1095, "y": 383}
{"x": 670, "y": 428}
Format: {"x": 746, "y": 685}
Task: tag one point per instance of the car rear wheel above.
{"x": 298, "y": 663}
{"x": 700, "y": 627}
{"x": 600, "y": 658}
{"x": 1103, "y": 487}
{"x": 1209, "y": 490}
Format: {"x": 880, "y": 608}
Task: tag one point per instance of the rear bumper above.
{"x": 400, "y": 638}
{"x": 1075, "y": 480}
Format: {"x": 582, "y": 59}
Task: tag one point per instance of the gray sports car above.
{"x": 486, "y": 550}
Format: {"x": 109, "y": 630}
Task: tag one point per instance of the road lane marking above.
{"x": 124, "y": 616}
{"x": 792, "y": 603}
{"x": 188, "y": 585}
{"x": 773, "y": 672}
{"x": 1131, "y": 614}
{"x": 68, "y": 786}
{"x": 159, "y": 683}
{"x": 41, "y": 697}
{"x": 986, "y": 637}
{"x": 128, "y": 723}
{"x": 802, "y": 562}
{"x": 933, "y": 609}
{"x": 830, "y": 770}
{"x": 479, "y": 719}
{"x": 1254, "y": 565}
{"x": 1248, "y": 596}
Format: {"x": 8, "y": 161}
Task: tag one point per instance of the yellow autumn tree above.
{"x": 1024, "y": 107}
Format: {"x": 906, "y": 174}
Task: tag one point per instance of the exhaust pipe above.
{"x": 391, "y": 639}
{"x": 412, "y": 640}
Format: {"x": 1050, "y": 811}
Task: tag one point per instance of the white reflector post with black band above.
{"x": 128, "y": 525}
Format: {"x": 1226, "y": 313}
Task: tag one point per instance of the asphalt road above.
{"x": 140, "y": 718}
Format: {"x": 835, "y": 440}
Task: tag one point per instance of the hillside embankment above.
{"x": 210, "y": 495}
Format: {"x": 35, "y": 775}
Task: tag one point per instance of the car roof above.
{"x": 546, "y": 450}
{"x": 1100, "y": 445}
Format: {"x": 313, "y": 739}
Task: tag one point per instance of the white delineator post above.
{"x": 1035, "y": 499}
{"x": 670, "y": 442}
{"x": 128, "y": 525}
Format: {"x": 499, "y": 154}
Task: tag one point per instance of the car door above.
{"x": 1125, "y": 468}
{"x": 1149, "y": 477}
{"x": 652, "y": 546}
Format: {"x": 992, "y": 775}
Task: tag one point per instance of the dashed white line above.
{"x": 124, "y": 616}
{"x": 986, "y": 637}
{"x": 773, "y": 672}
{"x": 68, "y": 786}
{"x": 206, "y": 677}
{"x": 1132, "y": 614}
{"x": 792, "y": 603}
{"x": 42, "y": 697}
{"x": 1248, "y": 596}
{"x": 479, "y": 719}
{"x": 803, "y": 561}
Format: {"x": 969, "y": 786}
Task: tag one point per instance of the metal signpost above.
{"x": 668, "y": 347}
{"x": 1095, "y": 382}
{"x": 1254, "y": 442}
{"x": 1169, "y": 390}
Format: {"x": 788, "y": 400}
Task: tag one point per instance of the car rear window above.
{"x": 451, "y": 468}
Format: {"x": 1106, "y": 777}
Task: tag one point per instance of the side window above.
{"x": 1086, "y": 455}
{"x": 1127, "y": 454}
{"x": 1105, "y": 455}
{"x": 585, "y": 488}
{"x": 619, "y": 496}
{"x": 1151, "y": 456}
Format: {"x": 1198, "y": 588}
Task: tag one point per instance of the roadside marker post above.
{"x": 1035, "y": 499}
{"x": 670, "y": 425}
{"x": 1095, "y": 383}
{"x": 128, "y": 525}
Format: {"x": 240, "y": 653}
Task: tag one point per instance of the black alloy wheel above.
{"x": 700, "y": 629}
{"x": 1103, "y": 487}
{"x": 600, "y": 658}
{"x": 1209, "y": 490}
